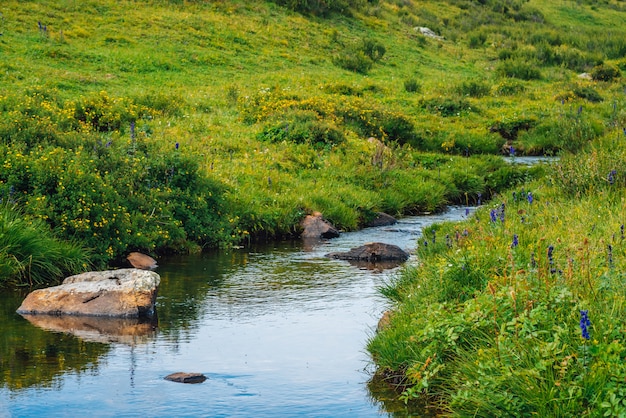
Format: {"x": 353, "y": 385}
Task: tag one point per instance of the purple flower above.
{"x": 177, "y": 145}
{"x": 479, "y": 197}
{"x": 132, "y": 131}
{"x": 550, "y": 251}
{"x": 501, "y": 213}
{"x": 493, "y": 214}
{"x": 584, "y": 324}
{"x": 529, "y": 197}
{"x": 467, "y": 211}
{"x": 580, "y": 109}
{"x": 515, "y": 242}
{"x": 611, "y": 177}
{"x": 512, "y": 151}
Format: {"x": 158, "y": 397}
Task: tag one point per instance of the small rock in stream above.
{"x": 182, "y": 377}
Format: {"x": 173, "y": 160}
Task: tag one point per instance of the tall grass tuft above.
{"x": 31, "y": 255}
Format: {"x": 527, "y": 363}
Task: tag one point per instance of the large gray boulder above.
{"x": 123, "y": 293}
{"x": 315, "y": 226}
{"x": 373, "y": 252}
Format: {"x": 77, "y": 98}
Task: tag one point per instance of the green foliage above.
{"x": 474, "y": 88}
{"x": 447, "y": 106}
{"x": 605, "y": 72}
{"x": 588, "y": 93}
{"x": 516, "y": 68}
{"x": 502, "y": 335}
{"x": 509, "y": 129}
{"x": 354, "y": 60}
{"x": 322, "y": 7}
{"x": 303, "y": 127}
{"x": 30, "y": 254}
{"x": 411, "y": 85}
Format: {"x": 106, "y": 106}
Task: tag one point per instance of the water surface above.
{"x": 279, "y": 330}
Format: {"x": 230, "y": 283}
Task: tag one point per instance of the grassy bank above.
{"x": 174, "y": 126}
{"x": 519, "y": 310}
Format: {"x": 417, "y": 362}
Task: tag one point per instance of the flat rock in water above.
{"x": 182, "y": 377}
{"x": 373, "y": 252}
{"x": 123, "y": 293}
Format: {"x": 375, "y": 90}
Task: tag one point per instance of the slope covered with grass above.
{"x": 171, "y": 126}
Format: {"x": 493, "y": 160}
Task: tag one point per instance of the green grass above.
{"x": 173, "y": 126}
{"x": 489, "y": 324}
{"x": 31, "y": 255}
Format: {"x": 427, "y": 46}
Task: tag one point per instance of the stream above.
{"x": 279, "y": 330}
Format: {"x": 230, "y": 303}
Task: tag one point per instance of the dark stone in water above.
{"x": 182, "y": 377}
{"x": 382, "y": 219}
{"x": 373, "y": 252}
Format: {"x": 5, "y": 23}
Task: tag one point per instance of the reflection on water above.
{"x": 278, "y": 330}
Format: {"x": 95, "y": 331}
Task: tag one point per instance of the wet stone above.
{"x": 182, "y": 377}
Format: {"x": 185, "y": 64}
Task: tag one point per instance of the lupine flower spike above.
{"x": 584, "y": 324}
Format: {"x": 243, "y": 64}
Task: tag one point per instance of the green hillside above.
{"x": 175, "y": 126}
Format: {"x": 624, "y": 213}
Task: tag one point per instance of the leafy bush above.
{"x": 360, "y": 58}
{"x": 411, "y": 85}
{"x": 373, "y": 49}
{"x": 588, "y": 93}
{"x": 605, "y": 72}
{"x": 447, "y": 106}
{"x": 322, "y": 7}
{"x": 473, "y": 88}
{"x": 477, "y": 40}
{"x": 508, "y": 129}
{"x": 303, "y": 127}
{"x": 516, "y": 68}
{"x": 509, "y": 88}
{"x": 354, "y": 60}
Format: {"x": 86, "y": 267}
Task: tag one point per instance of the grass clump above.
{"x": 30, "y": 254}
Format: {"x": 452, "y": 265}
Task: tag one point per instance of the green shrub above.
{"x": 104, "y": 113}
{"x": 354, "y": 60}
{"x": 411, "y": 85}
{"x": 509, "y": 88}
{"x": 447, "y": 106}
{"x": 321, "y": 7}
{"x": 343, "y": 89}
{"x": 477, "y": 40}
{"x": 509, "y": 129}
{"x": 303, "y": 127}
{"x": 516, "y": 68}
{"x": 474, "y": 88}
{"x": 605, "y": 72}
{"x": 588, "y": 93}
{"x": 373, "y": 49}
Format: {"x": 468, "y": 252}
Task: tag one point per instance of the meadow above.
{"x": 181, "y": 126}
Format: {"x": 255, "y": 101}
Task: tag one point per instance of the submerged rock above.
{"x": 382, "y": 219}
{"x": 124, "y": 293}
{"x": 373, "y": 252}
{"x": 182, "y": 377}
{"x": 315, "y": 226}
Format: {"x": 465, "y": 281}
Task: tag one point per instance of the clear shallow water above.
{"x": 278, "y": 330}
